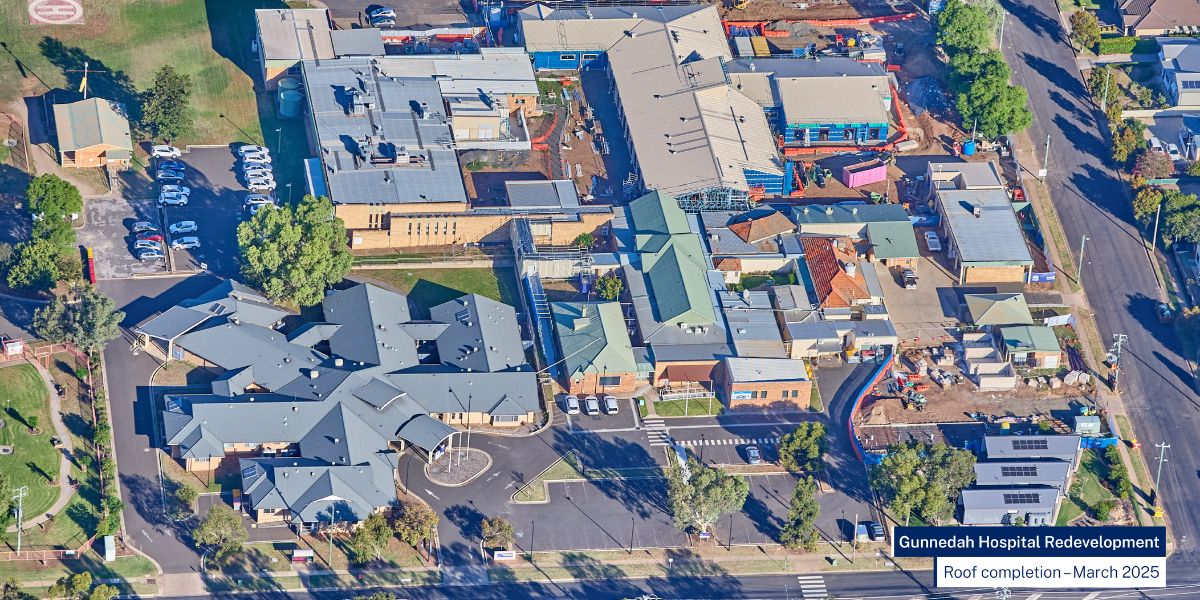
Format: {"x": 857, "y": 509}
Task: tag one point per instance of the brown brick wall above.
{"x": 379, "y": 227}
{"x": 589, "y": 383}
{"x": 1014, "y": 274}
{"x": 765, "y": 394}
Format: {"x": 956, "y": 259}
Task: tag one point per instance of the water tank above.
{"x": 289, "y": 83}
{"x": 969, "y": 148}
{"x": 289, "y": 104}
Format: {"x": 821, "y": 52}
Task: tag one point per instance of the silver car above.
{"x": 250, "y": 149}
{"x": 146, "y": 245}
{"x": 185, "y": 243}
{"x": 591, "y": 405}
{"x": 257, "y": 157}
{"x": 260, "y": 184}
{"x": 176, "y": 189}
{"x": 183, "y": 227}
{"x": 150, "y": 255}
{"x": 173, "y": 199}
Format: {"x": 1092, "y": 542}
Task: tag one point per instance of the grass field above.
{"x": 1087, "y": 490}
{"x": 34, "y": 462}
{"x": 690, "y": 408}
{"x": 430, "y": 287}
{"x": 126, "y": 41}
{"x": 124, "y": 568}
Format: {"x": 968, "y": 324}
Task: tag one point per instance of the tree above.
{"x": 80, "y": 583}
{"x": 968, "y": 66}
{"x": 964, "y": 27}
{"x": 923, "y": 479}
{"x": 52, "y": 197}
{"x": 89, "y": 323}
{"x": 1153, "y": 165}
{"x": 414, "y": 522}
{"x": 801, "y": 449}
{"x": 497, "y": 533}
{"x": 56, "y": 230}
{"x": 223, "y": 530}
{"x": 167, "y": 106}
{"x": 370, "y": 539}
{"x": 585, "y": 240}
{"x": 12, "y": 591}
{"x": 1188, "y": 326}
{"x": 58, "y": 589}
{"x": 49, "y": 321}
{"x": 1128, "y": 139}
{"x": 1104, "y": 508}
{"x": 294, "y": 254}
{"x": 6, "y": 506}
{"x": 187, "y": 495}
{"x": 104, "y": 592}
{"x": 33, "y": 421}
{"x": 1146, "y": 203}
{"x": 1193, "y": 170}
{"x": 1085, "y": 29}
{"x": 609, "y": 287}
{"x": 994, "y": 107}
{"x": 36, "y": 266}
{"x": 800, "y": 529}
{"x": 698, "y": 499}
{"x": 1181, "y": 216}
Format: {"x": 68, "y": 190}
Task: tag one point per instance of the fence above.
{"x": 885, "y": 366}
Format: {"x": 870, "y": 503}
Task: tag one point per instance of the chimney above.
{"x": 975, "y": 210}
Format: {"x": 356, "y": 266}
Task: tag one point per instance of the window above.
{"x": 754, "y": 395}
{"x": 783, "y": 394}
{"x": 848, "y": 134}
{"x": 566, "y": 57}
{"x": 795, "y": 393}
{"x": 229, "y": 446}
{"x": 590, "y": 56}
{"x": 873, "y": 133}
{"x": 505, "y": 418}
{"x": 610, "y": 380}
{"x": 763, "y": 394}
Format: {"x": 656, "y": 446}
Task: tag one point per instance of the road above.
{"x": 1118, "y": 277}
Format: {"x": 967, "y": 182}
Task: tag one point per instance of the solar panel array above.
{"x": 1019, "y": 471}
{"x": 1022, "y": 498}
{"x": 1030, "y": 445}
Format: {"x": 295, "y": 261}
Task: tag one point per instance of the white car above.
{"x": 256, "y": 157}
{"x": 257, "y": 199}
{"x": 185, "y": 243}
{"x": 260, "y": 184}
{"x": 140, "y": 226}
{"x": 183, "y": 227}
{"x": 933, "y": 241}
{"x": 383, "y": 22}
{"x": 165, "y": 151}
{"x": 250, "y": 148}
{"x": 254, "y": 208}
{"x": 146, "y": 245}
{"x": 168, "y": 175}
{"x": 1173, "y": 152}
{"x": 264, "y": 173}
{"x": 572, "y": 402}
{"x": 254, "y": 164}
{"x": 381, "y": 12}
{"x": 176, "y": 189}
{"x": 173, "y": 199}
{"x": 591, "y": 405}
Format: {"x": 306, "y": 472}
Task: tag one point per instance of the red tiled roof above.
{"x": 835, "y": 288}
{"x": 761, "y": 228}
{"x": 730, "y": 264}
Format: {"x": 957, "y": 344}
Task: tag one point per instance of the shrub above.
{"x": 1116, "y": 45}
{"x": 1103, "y": 509}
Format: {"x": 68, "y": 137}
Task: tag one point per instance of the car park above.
{"x": 381, "y": 11}
{"x": 591, "y": 406}
{"x": 183, "y": 227}
{"x": 140, "y": 226}
{"x": 753, "y": 455}
{"x": 251, "y": 148}
{"x": 185, "y": 243}
{"x": 173, "y": 165}
{"x": 260, "y": 184}
{"x": 146, "y": 245}
{"x": 173, "y": 199}
{"x": 165, "y": 151}
{"x": 610, "y": 405}
{"x": 572, "y": 404}
{"x": 168, "y": 175}
{"x": 932, "y": 241}
{"x": 149, "y": 255}
{"x": 262, "y": 157}
{"x": 176, "y": 189}
{"x": 150, "y": 235}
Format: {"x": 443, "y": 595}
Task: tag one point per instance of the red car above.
{"x": 153, "y": 236}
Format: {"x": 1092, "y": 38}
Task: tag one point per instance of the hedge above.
{"x": 1127, "y": 44}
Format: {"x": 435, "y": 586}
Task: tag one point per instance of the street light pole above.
{"x": 1154, "y": 238}
{"x": 1162, "y": 458}
{"x": 1046, "y": 159}
{"x": 1079, "y": 269}
{"x": 1003, "y": 20}
{"x": 19, "y": 496}
{"x": 1119, "y": 340}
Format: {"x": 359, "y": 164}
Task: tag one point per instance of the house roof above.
{"x": 862, "y": 213}
{"x": 1062, "y": 447}
{"x": 545, "y": 29}
{"x": 851, "y": 91}
{"x": 989, "y": 505}
{"x": 173, "y": 322}
{"x": 836, "y": 287}
{"x": 745, "y": 370}
{"x": 751, "y": 324}
{"x": 1031, "y": 472}
{"x": 984, "y": 227}
{"x": 92, "y": 122}
{"x": 997, "y": 309}
{"x": 892, "y": 239}
{"x": 294, "y": 33}
{"x": 755, "y": 228}
{"x": 488, "y": 73}
{"x": 357, "y": 42}
{"x": 1030, "y": 338}
{"x": 1154, "y": 15}
{"x": 479, "y": 336}
{"x": 593, "y": 337}
{"x": 672, "y": 260}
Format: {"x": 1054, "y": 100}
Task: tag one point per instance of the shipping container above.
{"x": 864, "y": 173}
{"x": 761, "y": 48}
{"x": 742, "y": 47}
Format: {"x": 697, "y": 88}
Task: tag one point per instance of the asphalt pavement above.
{"x": 1118, "y": 276}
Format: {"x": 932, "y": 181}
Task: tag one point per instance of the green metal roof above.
{"x": 91, "y": 122}
{"x": 659, "y": 213}
{"x": 892, "y": 239}
{"x": 997, "y": 309}
{"x": 1030, "y": 338}
{"x": 672, "y": 260}
{"x": 593, "y": 337}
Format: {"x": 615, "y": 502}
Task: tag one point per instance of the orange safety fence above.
{"x": 541, "y": 139}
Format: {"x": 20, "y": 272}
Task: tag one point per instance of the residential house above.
{"x": 845, "y": 287}
{"x": 315, "y": 415}
{"x": 853, "y": 107}
{"x": 1022, "y": 479}
{"x": 852, "y": 340}
{"x": 1031, "y": 346}
{"x": 748, "y": 242}
{"x": 984, "y": 239}
{"x": 1179, "y": 58}
{"x": 1014, "y": 473}
{"x": 542, "y": 195}
{"x": 287, "y": 36}
{"x": 963, "y": 176}
{"x": 883, "y": 231}
{"x": 764, "y": 383}
{"x": 93, "y": 133}
{"x": 597, "y": 354}
{"x": 986, "y": 310}
{"x": 1158, "y": 17}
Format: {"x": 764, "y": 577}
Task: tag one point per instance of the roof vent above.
{"x": 854, "y": 211}
{"x": 975, "y": 210}
{"x": 634, "y": 15}
{"x": 851, "y": 269}
{"x": 829, "y": 210}
{"x": 285, "y": 473}
{"x": 294, "y": 409}
{"x": 337, "y": 362}
{"x": 287, "y": 359}
{"x": 337, "y": 440}
{"x": 313, "y": 374}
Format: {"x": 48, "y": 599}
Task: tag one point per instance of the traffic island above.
{"x": 458, "y": 467}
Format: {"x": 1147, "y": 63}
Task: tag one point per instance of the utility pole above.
{"x": 1162, "y": 458}
{"x": 1119, "y": 340}
{"x": 1079, "y": 269}
{"x": 1045, "y": 160}
{"x": 632, "y": 532}
{"x": 854, "y": 538}
{"x": 19, "y": 497}
{"x": 1107, "y": 79}
{"x": 1154, "y": 238}
{"x": 332, "y": 522}
{"x": 1003, "y": 20}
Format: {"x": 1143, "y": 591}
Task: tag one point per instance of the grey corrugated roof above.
{"x": 491, "y": 72}
{"x": 987, "y": 506}
{"x": 560, "y": 193}
{"x": 1062, "y": 447}
{"x": 751, "y": 324}
{"x": 994, "y": 236}
{"x": 173, "y": 322}
{"x": 1040, "y": 472}
{"x": 371, "y": 329}
{"x": 598, "y": 28}
{"x": 425, "y": 432}
{"x": 294, "y": 33}
{"x": 816, "y": 330}
{"x": 743, "y": 370}
{"x": 968, "y": 175}
{"x": 357, "y": 42}
{"x": 851, "y": 91}
{"x": 478, "y": 337}
{"x": 863, "y": 213}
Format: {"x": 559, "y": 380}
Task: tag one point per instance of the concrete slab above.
{"x": 910, "y": 310}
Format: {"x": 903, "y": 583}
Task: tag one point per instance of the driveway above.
{"x": 922, "y": 315}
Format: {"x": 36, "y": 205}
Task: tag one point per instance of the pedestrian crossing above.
{"x": 763, "y": 441}
{"x": 812, "y": 587}
{"x": 656, "y": 430}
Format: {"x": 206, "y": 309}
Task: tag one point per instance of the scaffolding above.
{"x": 553, "y": 262}
{"x": 715, "y": 199}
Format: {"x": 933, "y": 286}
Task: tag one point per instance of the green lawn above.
{"x": 565, "y": 469}
{"x": 124, "y": 568}
{"x": 690, "y": 408}
{"x": 430, "y": 287}
{"x": 34, "y": 462}
{"x": 814, "y": 399}
{"x": 1087, "y": 489}
{"x": 126, "y": 41}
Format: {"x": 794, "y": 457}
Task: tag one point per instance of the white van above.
{"x": 1156, "y": 145}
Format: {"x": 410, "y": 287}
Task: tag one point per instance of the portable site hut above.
{"x": 864, "y": 173}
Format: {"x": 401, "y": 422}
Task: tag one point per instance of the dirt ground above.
{"x": 766, "y": 10}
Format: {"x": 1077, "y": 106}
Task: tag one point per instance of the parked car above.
{"x": 150, "y": 235}
{"x": 933, "y": 241}
{"x": 173, "y": 165}
{"x": 251, "y": 148}
{"x": 185, "y": 243}
{"x": 591, "y": 406}
{"x": 183, "y": 227}
{"x": 572, "y": 403}
{"x": 260, "y": 184}
{"x": 140, "y": 226}
{"x": 254, "y": 208}
{"x": 255, "y": 164}
{"x": 168, "y": 175}
{"x": 610, "y": 405}
{"x": 1156, "y": 145}
{"x": 146, "y": 245}
{"x": 1163, "y": 312}
{"x": 178, "y": 189}
{"x": 753, "y": 456}
{"x": 263, "y": 173}
{"x": 1173, "y": 152}
{"x": 383, "y": 22}
{"x": 875, "y": 530}
{"x": 165, "y": 151}
{"x": 257, "y": 199}
{"x": 262, "y": 157}
{"x": 173, "y": 199}
{"x": 150, "y": 255}
{"x": 381, "y": 11}
{"x": 910, "y": 279}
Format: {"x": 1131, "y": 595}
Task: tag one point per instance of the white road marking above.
{"x": 147, "y": 536}
{"x": 1091, "y": 596}
{"x": 432, "y": 494}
